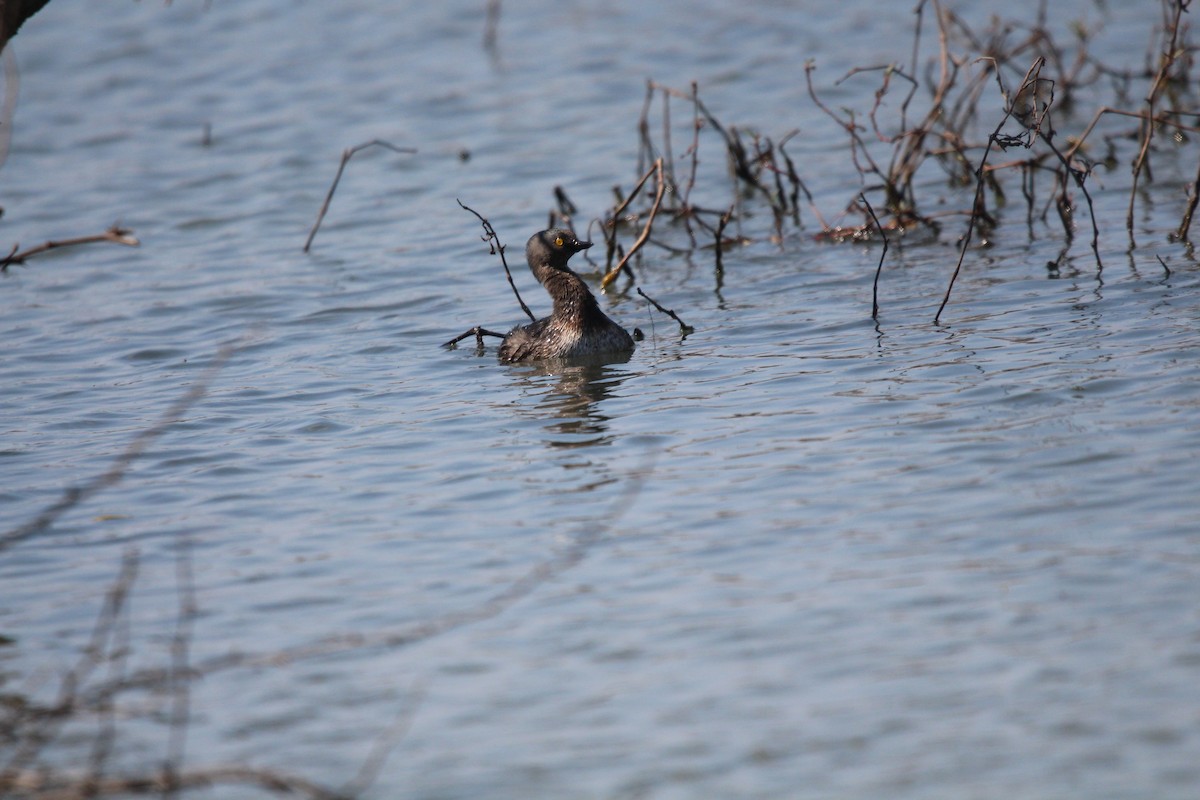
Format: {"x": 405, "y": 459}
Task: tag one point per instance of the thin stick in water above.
{"x": 1031, "y": 78}
{"x": 684, "y": 328}
{"x": 720, "y": 236}
{"x": 494, "y": 245}
{"x": 347, "y": 154}
{"x": 878, "y": 269}
{"x": 477, "y": 332}
{"x": 116, "y": 234}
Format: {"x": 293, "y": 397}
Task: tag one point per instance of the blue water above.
{"x": 798, "y": 553}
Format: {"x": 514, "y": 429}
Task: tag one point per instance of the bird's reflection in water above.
{"x": 570, "y": 405}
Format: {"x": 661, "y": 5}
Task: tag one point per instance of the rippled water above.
{"x": 794, "y": 554}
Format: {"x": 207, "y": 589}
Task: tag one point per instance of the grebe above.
{"x": 576, "y": 326}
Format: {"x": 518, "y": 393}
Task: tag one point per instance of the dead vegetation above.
{"x": 981, "y": 135}
{"x": 942, "y": 143}
{"x": 945, "y": 140}
{"x": 114, "y": 235}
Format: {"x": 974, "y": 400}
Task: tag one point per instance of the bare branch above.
{"x": 115, "y": 235}
{"x": 477, "y": 332}
{"x": 1031, "y": 76}
{"x": 641, "y": 240}
{"x": 347, "y": 154}
{"x": 878, "y": 269}
{"x": 493, "y": 241}
{"x": 684, "y": 328}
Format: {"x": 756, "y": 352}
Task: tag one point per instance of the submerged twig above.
{"x": 684, "y": 328}
{"x": 347, "y": 154}
{"x": 116, "y": 234}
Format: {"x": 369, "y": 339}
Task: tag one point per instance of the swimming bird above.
{"x": 576, "y": 326}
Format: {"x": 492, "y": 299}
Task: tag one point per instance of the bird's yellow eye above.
{"x": 558, "y": 242}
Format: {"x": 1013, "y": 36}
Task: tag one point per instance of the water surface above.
{"x": 797, "y": 553}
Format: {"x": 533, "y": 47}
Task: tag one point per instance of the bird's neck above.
{"x": 570, "y": 294}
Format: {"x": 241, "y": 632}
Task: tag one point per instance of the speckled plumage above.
{"x": 576, "y": 326}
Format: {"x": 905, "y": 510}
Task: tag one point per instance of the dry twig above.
{"x": 494, "y": 246}
{"x": 1028, "y": 88}
{"x": 347, "y": 154}
{"x": 1167, "y": 58}
{"x": 116, "y": 235}
{"x": 684, "y": 328}
{"x": 883, "y": 255}
{"x": 477, "y": 332}
{"x": 612, "y": 274}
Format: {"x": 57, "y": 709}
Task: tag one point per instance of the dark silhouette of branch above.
{"x": 878, "y": 269}
{"x": 684, "y": 328}
{"x": 564, "y": 214}
{"x": 38, "y": 727}
{"x": 477, "y": 332}
{"x": 347, "y": 154}
{"x": 13, "y": 14}
{"x": 494, "y": 246}
{"x": 1027, "y": 90}
{"x": 1079, "y": 176}
{"x": 694, "y": 152}
{"x": 720, "y": 236}
{"x": 117, "y": 653}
